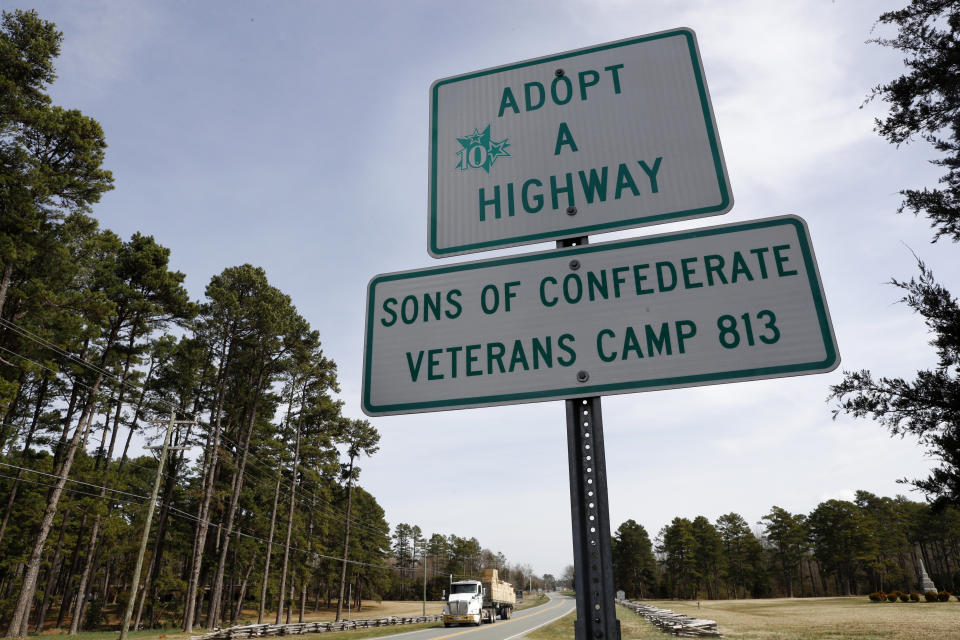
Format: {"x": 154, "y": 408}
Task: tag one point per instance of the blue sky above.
{"x": 293, "y": 136}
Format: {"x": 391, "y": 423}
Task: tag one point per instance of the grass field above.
{"x": 632, "y": 627}
{"x": 531, "y": 601}
{"x": 854, "y": 618}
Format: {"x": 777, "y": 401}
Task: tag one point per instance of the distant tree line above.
{"x": 442, "y": 559}
{"x": 840, "y": 548}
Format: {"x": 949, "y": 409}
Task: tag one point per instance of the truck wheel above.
{"x": 506, "y": 614}
{"x": 493, "y": 616}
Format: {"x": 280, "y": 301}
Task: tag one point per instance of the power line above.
{"x": 131, "y": 385}
{"x": 19, "y": 355}
{"x": 183, "y": 514}
{"x": 285, "y": 492}
{"x": 74, "y": 491}
{"x": 50, "y": 475}
{"x": 57, "y": 349}
{"x": 135, "y": 386}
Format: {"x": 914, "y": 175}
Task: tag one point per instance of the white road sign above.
{"x": 609, "y": 137}
{"x": 720, "y": 304}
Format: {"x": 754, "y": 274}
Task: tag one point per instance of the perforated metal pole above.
{"x": 592, "y": 557}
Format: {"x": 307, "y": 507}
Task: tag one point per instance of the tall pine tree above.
{"x": 924, "y": 103}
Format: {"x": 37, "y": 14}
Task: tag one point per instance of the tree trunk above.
{"x": 136, "y": 415}
{"x": 107, "y": 575}
{"x": 52, "y": 573}
{"x": 293, "y": 495}
{"x": 85, "y": 576}
{"x": 203, "y": 514}
{"x": 243, "y": 591}
{"x": 346, "y": 541}
{"x": 307, "y": 576}
{"x": 156, "y": 560}
{"x": 5, "y": 284}
{"x": 266, "y": 564}
{"x": 11, "y": 410}
{"x": 303, "y": 599}
{"x": 217, "y": 590}
{"x": 120, "y": 394}
{"x": 18, "y": 619}
{"x": 106, "y": 456}
{"x": 26, "y": 448}
{"x": 61, "y": 446}
{"x": 68, "y": 580}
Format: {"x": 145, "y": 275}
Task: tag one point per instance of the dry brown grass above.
{"x": 853, "y": 618}
{"x": 370, "y": 609}
{"x": 530, "y": 601}
{"x": 631, "y": 628}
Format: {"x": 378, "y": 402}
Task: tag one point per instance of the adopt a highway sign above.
{"x": 608, "y": 137}
{"x": 719, "y": 304}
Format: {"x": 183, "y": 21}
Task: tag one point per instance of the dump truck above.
{"x": 477, "y": 601}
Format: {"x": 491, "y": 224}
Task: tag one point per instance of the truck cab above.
{"x": 464, "y": 604}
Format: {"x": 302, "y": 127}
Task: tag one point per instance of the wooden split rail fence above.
{"x": 675, "y": 623}
{"x": 300, "y": 628}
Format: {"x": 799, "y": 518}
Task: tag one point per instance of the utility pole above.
{"x": 135, "y": 581}
{"x": 424, "y": 584}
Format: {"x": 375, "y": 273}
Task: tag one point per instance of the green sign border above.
{"x": 831, "y": 361}
{"x": 726, "y": 202}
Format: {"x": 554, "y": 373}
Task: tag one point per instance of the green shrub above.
{"x": 930, "y": 596}
{"x": 878, "y": 596}
{"x": 905, "y": 597}
{"x": 914, "y": 596}
{"x": 94, "y": 614}
{"x": 943, "y": 596}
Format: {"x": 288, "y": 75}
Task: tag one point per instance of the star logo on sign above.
{"x": 479, "y": 151}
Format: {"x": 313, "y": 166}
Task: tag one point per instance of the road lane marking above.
{"x": 536, "y": 613}
{"x": 543, "y": 624}
{"x": 481, "y": 627}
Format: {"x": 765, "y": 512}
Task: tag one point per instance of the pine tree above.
{"x": 924, "y": 103}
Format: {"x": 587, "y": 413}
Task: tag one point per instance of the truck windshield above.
{"x": 463, "y": 588}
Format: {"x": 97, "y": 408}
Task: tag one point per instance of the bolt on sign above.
{"x": 719, "y": 304}
{"x": 608, "y": 137}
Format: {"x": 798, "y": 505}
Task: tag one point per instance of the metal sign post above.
{"x": 592, "y": 553}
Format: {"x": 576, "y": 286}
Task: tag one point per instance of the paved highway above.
{"x": 520, "y": 624}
